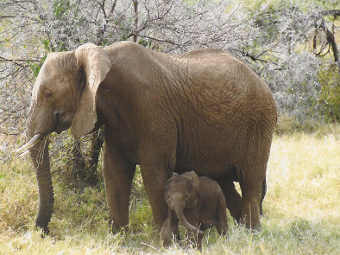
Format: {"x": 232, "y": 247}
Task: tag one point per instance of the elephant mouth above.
{"x": 61, "y": 126}
{"x": 63, "y": 122}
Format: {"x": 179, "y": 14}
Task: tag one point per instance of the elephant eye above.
{"x": 47, "y": 93}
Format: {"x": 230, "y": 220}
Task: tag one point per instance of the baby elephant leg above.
{"x": 221, "y": 223}
{"x": 169, "y": 229}
{"x": 195, "y": 237}
{"x": 199, "y": 240}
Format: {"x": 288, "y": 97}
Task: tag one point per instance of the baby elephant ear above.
{"x": 96, "y": 64}
{"x": 194, "y": 178}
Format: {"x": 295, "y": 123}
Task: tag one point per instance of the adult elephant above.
{"x": 204, "y": 110}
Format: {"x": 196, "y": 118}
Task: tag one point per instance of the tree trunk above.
{"x": 97, "y": 144}
{"x": 84, "y": 171}
{"x": 78, "y": 166}
{"x": 135, "y": 8}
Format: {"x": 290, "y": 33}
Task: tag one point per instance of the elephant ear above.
{"x": 96, "y": 64}
{"x": 193, "y": 178}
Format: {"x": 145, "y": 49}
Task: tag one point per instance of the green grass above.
{"x": 301, "y": 210}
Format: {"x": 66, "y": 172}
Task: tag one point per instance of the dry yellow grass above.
{"x": 301, "y": 211}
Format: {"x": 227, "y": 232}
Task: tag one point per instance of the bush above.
{"x": 289, "y": 124}
{"x": 329, "y": 78}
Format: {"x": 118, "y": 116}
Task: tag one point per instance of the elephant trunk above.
{"x": 38, "y": 148}
{"x": 185, "y": 222}
{"x": 41, "y": 161}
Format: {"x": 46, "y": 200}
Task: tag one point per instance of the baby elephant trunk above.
{"x": 185, "y": 222}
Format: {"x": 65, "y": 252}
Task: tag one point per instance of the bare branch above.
{"x": 162, "y": 40}
{"x": 330, "y": 38}
{"x": 334, "y": 13}
{"x": 4, "y": 132}
{"x": 113, "y": 7}
{"x": 6, "y": 17}
{"x": 3, "y": 59}
{"x": 135, "y": 8}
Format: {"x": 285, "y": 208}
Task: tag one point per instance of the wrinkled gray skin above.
{"x": 197, "y": 202}
{"x": 204, "y": 110}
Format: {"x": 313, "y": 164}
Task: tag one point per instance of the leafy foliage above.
{"x": 329, "y": 78}
{"x": 273, "y": 37}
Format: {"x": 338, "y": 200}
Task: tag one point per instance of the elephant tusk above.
{"x": 31, "y": 143}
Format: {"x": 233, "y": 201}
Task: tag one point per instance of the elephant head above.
{"x": 182, "y": 192}
{"x": 63, "y": 96}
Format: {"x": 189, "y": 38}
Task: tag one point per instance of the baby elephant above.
{"x": 197, "y": 202}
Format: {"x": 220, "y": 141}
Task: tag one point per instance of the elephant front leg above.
{"x": 118, "y": 175}
{"x": 154, "y": 179}
{"x": 158, "y": 160}
{"x": 169, "y": 229}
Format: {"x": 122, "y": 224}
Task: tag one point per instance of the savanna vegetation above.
{"x": 301, "y": 209}
{"x": 292, "y": 45}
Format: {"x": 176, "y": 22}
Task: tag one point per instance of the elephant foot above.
{"x": 251, "y": 219}
{"x": 116, "y": 228}
{"x": 44, "y": 230}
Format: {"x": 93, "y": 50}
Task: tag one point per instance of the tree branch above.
{"x": 113, "y": 7}
{"x": 161, "y": 40}
{"x": 329, "y": 34}
{"x": 3, "y": 59}
{"x": 8, "y": 133}
{"x": 330, "y": 13}
{"x": 135, "y": 8}
{"x": 6, "y": 17}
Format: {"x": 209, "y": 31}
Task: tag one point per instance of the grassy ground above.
{"x": 301, "y": 210}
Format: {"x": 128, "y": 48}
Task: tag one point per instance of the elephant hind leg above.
{"x": 232, "y": 198}
{"x": 118, "y": 176}
{"x": 250, "y": 209}
{"x": 263, "y": 194}
{"x": 253, "y": 174}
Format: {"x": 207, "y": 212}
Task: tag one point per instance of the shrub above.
{"x": 329, "y": 78}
